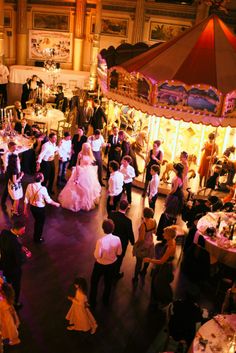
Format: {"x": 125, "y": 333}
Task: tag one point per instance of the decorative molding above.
{"x": 118, "y": 8}
{"x": 147, "y": 18}
{"x": 171, "y": 14}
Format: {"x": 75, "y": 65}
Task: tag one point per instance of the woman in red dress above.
{"x": 210, "y": 150}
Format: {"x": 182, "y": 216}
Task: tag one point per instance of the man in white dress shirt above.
{"x": 153, "y": 186}
{"x": 107, "y": 249}
{"x": 45, "y": 161}
{"x": 4, "y": 73}
{"x": 37, "y": 196}
{"x": 115, "y": 186}
{"x": 65, "y": 148}
{"x": 97, "y": 142}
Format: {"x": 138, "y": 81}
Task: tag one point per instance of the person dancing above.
{"x": 82, "y": 191}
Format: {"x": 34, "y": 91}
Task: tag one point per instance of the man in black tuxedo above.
{"x": 13, "y": 255}
{"x": 98, "y": 117}
{"x": 113, "y": 148}
{"x": 124, "y": 230}
{"x": 23, "y": 128}
{"x": 59, "y": 96}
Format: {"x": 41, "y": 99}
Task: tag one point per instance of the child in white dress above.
{"x": 79, "y": 316}
{"x": 8, "y": 317}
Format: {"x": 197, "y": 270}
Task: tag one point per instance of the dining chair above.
{"x": 62, "y": 126}
{"x": 60, "y": 105}
{"x": 42, "y": 126}
{"x": 9, "y": 108}
{"x": 29, "y": 103}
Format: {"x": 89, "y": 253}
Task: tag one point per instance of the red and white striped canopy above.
{"x": 205, "y": 54}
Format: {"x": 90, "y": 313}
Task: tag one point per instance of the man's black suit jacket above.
{"x": 12, "y": 256}
{"x": 123, "y": 228}
{"x": 113, "y": 154}
{"x": 98, "y": 118}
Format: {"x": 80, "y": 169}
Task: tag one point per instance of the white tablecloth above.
{"x": 19, "y": 74}
{"x": 23, "y": 143}
{"x": 51, "y": 119}
{"x": 217, "y": 334}
{"x": 218, "y": 247}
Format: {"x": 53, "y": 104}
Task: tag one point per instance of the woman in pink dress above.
{"x": 8, "y": 316}
{"x": 210, "y": 150}
{"x": 79, "y": 316}
{"x": 82, "y": 191}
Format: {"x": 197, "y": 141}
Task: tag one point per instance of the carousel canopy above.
{"x": 205, "y": 54}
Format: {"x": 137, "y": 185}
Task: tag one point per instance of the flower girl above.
{"x": 79, "y": 316}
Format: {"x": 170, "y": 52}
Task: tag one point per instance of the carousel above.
{"x": 178, "y": 93}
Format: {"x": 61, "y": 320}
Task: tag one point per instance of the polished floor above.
{"x": 127, "y": 325}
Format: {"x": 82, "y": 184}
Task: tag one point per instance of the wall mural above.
{"x": 165, "y": 31}
{"x": 51, "y": 21}
{"x": 114, "y": 26}
{"x": 59, "y": 43}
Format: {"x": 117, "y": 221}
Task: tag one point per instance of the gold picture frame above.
{"x": 112, "y": 26}
{"x": 51, "y": 21}
{"x": 161, "y": 31}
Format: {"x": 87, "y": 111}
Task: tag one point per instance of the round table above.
{"x": 216, "y": 335}
{"x": 51, "y": 119}
{"x": 23, "y": 143}
{"x": 219, "y": 247}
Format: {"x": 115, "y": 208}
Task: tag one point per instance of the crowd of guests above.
{"x": 81, "y": 191}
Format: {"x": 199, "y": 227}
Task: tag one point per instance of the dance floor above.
{"x": 127, "y": 325}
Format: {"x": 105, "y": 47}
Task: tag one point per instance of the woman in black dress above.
{"x": 30, "y": 90}
{"x": 77, "y": 142}
{"x": 175, "y": 199}
{"x": 162, "y": 275}
{"x": 155, "y": 157}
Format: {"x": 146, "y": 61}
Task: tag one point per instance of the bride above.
{"x": 82, "y": 190}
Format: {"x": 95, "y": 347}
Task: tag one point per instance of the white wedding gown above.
{"x": 82, "y": 191}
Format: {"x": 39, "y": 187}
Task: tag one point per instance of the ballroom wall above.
{"x": 161, "y": 21}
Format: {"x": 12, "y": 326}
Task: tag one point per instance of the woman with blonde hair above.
{"x": 82, "y": 191}
{"x": 162, "y": 275}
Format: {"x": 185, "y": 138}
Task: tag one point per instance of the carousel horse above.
{"x": 192, "y": 161}
{"x": 137, "y": 149}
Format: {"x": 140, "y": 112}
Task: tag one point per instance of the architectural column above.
{"x": 138, "y": 22}
{"x": 21, "y": 33}
{"x": 202, "y": 11}
{"x": 95, "y": 47}
{"x": 1, "y": 29}
{"x": 79, "y": 34}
